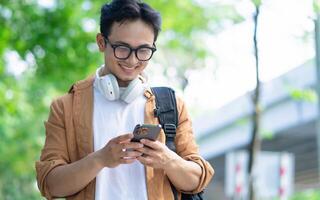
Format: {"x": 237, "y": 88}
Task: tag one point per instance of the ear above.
{"x": 100, "y": 42}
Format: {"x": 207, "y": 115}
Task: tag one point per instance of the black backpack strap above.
{"x": 167, "y": 113}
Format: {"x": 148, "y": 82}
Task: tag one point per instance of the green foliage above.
{"x": 316, "y": 6}
{"x": 257, "y": 3}
{"x": 19, "y": 144}
{"x": 183, "y": 24}
{"x": 267, "y": 135}
{"x": 59, "y": 50}
{"x": 308, "y": 194}
{"x": 307, "y": 95}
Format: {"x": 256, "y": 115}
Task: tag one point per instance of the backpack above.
{"x": 167, "y": 113}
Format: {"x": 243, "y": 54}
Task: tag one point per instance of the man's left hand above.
{"x": 156, "y": 154}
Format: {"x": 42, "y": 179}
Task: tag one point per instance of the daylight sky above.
{"x": 282, "y": 25}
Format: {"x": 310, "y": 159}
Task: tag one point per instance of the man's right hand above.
{"x": 66, "y": 180}
{"x": 119, "y": 150}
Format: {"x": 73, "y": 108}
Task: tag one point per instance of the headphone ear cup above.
{"x": 110, "y": 87}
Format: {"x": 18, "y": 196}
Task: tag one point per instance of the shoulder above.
{"x": 62, "y": 101}
{"x": 66, "y": 99}
{"x": 82, "y": 84}
{"x": 181, "y": 105}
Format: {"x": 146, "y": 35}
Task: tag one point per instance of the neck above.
{"x": 123, "y": 83}
{"x": 104, "y": 71}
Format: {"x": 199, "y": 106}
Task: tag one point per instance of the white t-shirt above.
{"x": 111, "y": 119}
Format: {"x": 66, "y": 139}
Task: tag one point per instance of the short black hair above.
{"x": 122, "y": 10}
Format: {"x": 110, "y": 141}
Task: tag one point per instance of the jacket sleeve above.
{"x": 187, "y": 147}
{"x": 54, "y": 152}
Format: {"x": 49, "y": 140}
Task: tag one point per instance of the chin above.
{"x": 128, "y": 77}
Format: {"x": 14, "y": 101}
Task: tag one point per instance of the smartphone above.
{"x": 146, "y": 131}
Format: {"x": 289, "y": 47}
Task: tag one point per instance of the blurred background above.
{"x": 247, "y": 70}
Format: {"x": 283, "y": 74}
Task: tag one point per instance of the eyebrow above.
{"x": 126, "y": 44}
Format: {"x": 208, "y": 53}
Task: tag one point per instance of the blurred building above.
{"x": 288, "y": 124}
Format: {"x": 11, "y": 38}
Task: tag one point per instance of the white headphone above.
{"x": 108, "y": 86}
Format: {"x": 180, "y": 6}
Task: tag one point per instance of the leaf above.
{"x": 257, "y": 3}
{"x": 316, "y": 6}
{"x": 307, "y": 95}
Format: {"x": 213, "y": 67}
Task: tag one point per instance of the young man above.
{"x": 88, "y": 153}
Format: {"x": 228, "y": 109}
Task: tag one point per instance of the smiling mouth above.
{"x": 127, "y": 69}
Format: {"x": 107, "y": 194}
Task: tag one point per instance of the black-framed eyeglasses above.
{"x": 123, "y": 52}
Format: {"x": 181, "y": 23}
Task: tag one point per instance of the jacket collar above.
{"x": 88, "y": 82}
{"x": 83, "y": 84}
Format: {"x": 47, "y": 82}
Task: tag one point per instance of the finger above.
{"x": 140, "y": 150}
{"x": 145, "y": 160}
{"x": 132, "y": 145}
{"x": 129, "y": 153}
{"x": 125, "y": 141}
{"x": 132, "y": 154}
{"x": 123, "y": 138}
{"x": 148, "y": 151}
{"x": 127, "y": 160}
{"x": 152, "y": 144}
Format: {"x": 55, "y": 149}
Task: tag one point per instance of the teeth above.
{"x": 129, "y": 68}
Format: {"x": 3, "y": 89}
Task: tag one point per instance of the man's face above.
{"x": 129, "y": 33}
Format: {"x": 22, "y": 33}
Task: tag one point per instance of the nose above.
{"x": 132, "y": 60}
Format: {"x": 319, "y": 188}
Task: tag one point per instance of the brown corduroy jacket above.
{"x": 69, "y": 138}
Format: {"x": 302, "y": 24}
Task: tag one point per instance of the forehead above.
{"x": 134, "y": 33}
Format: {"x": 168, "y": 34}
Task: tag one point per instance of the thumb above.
{"x": 123, "y": 138}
